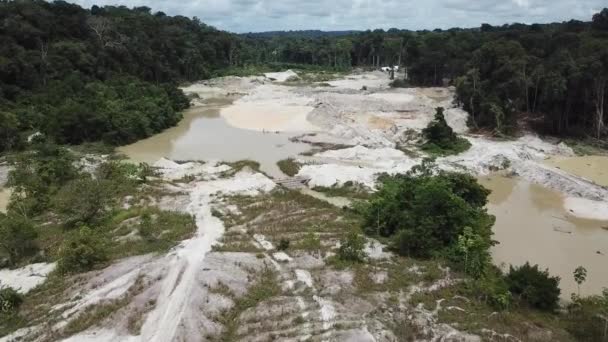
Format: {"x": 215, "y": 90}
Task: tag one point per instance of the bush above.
{"x": 400, "y": 83}
{"x": 585, "y": 318}
{"x": 289, "y": 166}
{"x": 81, "y": 252}
{"x": 425, "y": 210}
{"x": 352, "y": 248}
{"x": 534, "y": 286}
{"x": 492, "y": 288}
{"x": 283, "y": 244}
{"x": 10, "y": 300}
{"x": 441, "y": 139}
{"x": 17, "y": 237}
{"x": 83, "y": 200}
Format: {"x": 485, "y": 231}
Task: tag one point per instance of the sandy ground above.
{"x": 360, "y": 111}
{"x": 26, "y": 278}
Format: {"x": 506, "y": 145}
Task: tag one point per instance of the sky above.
{"x": 271, "y": 15}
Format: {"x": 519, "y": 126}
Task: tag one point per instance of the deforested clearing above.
{"x": 162, "y": 180}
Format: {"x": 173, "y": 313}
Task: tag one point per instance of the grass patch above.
{"x": 265, "y": 287}
{"x": 348, "y": 189}
{"x": 588, "y": 147}
{"x": 98, "y": 313}
{"x": 478, "y": 315}
{"x": 241, "y": 164}
{"x": 162, "y": 231}
{"x": 289, "y": 166}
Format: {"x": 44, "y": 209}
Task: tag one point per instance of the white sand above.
{"x": 393, "y": 97}
{"x": 26, "y": 278}
{"x": 271, "y": 108}
{"x": 281, "y": 76}
{"x": 177, "y": 287}
{"x": 586, "y": 208}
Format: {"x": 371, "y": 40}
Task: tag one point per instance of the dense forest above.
{"x": 101, "y": 74}
{"x": 110, "y": 73}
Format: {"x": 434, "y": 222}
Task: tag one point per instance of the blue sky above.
{"x": 265, "y": 15}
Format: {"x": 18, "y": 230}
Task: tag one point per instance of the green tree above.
{"x": 475, "y": 251}
{"x": 81, "y": 251}
{"x": 17, "y": 237}
{"x": 441, "y": 138}
{"x": 82, "y": 200}
{"x": 534, "y": 286}
{"x": 580, "y": 275}
{"x": 425, "y": 210}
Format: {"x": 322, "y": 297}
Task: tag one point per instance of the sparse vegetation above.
{"x": 10, "y": 301}
{"x": 348, "y": 190}
{"x": 265, "y": 287}
{"x": 352, "y": 248}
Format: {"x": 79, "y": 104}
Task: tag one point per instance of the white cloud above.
{"x": 265, "y": 15}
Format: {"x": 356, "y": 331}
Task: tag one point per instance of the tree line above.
{"x": 552, "y": 77}
{"x": 64, "y": 69}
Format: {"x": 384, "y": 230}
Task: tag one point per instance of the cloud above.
{"x": 267, "y": 15}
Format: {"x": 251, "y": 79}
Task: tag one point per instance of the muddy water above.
{"x": 593, "y": 168}
{"x": 204, "y": 135}
{"x": 531, "y": 225}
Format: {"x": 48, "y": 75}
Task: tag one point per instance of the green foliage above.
{"x": 37, "y": 174}
{"x": 580, "y": 275}
{"x": 289, "y": 166}
{"x": 10, "y": 300}
{"x": 535, "y": 287}
{"x": 283, "y": 244}
{"x": 587, "y": 318}
{"x": 441, "y": 139}
{"x": 81, "y": 251}
{"x": 17, "y": 237}
{"x": 9, "y": 131}
{"x": 425, "y": 210}
{"x": 82, "y": 201}
{"x": 491, "y": 288}
{"x": 472, "y": 251}
{"x": 352, "y": 248}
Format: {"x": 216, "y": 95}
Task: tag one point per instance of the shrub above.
{"x": 534, "y": 286}
{"x": 586, "y": 318}
{"x": 17, "y": 237}
{"x": 352, "y": 248}
{"x": 289, "y": 166}
{"x": 83, "y": 200}
{"x": 425, "y": 210}
{"x": 81, "y": 252}
{"x": 283, "y": 244}
{"x": 400, "y": 83}
{"x": 492, "y": 288}
{"x": 10, "y": 300}
{"x": 441, "y": 139}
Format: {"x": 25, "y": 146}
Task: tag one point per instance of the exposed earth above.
{"x": 230, "y": 281}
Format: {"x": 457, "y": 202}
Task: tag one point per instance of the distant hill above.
{"x": 299, "y": 34}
